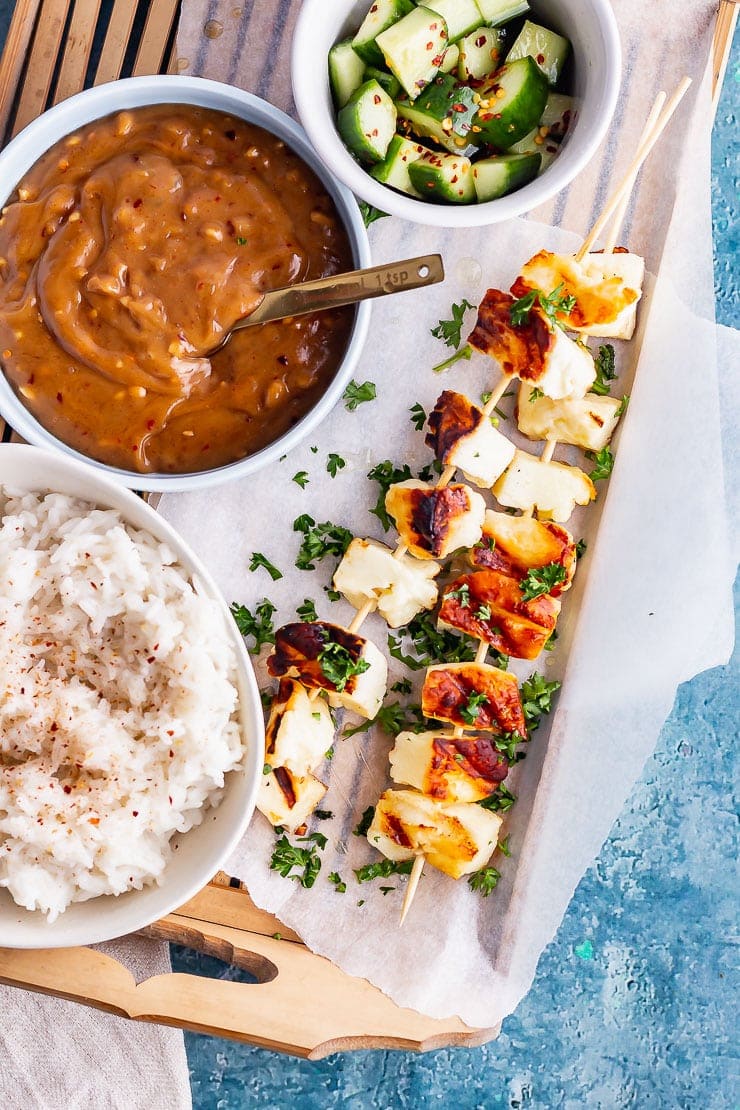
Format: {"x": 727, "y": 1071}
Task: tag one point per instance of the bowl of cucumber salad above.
{"x": 456, "y": 113}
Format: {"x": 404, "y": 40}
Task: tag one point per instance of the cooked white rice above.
{"x": 118, "y": 703}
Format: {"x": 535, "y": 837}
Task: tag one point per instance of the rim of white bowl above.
{"x": 338, "y": 159}
{"x": 29, "y": 145}
{"x": 103, "y": 490}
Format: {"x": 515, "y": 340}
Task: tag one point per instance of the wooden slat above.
{"x": 157, "y": 30}
{"x": 41, "y": 64}
{"x": 77, "y": 49}
{"x": 14, "y": 57}
{"x": 722, "y": 44}
{"x": 116, "y": 41}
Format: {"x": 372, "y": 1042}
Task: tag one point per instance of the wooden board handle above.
{"x": 308, "y": 1007}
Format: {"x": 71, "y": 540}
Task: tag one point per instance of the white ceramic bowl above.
{"x": 592, "y": 30}
{"x": 203, "y": 850}
{"x": 134, "y": 92}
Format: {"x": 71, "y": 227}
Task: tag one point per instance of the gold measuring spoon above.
{"x": 341, "y": 289}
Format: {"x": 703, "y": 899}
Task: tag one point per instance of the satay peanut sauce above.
{"x": 126, "y": 252}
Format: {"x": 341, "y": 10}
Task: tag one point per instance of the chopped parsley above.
{"x": 382, "y": 869}
{"x": 338, "y": 666}
{"x": 427, "y": 472}
{"x": 333, "y": 595}
{"x": 551, "y": 305}
{"x": 307, "y": 611}
{"x": 450, "y": 331}
{"x": 540, "y": 580}
{"x": 306, "y": 861}
{"x": 503, "y": 846}
{"x": 536, "y": 694}
{"x": 604, "y": 460}
{"x": 499, "y": 802}
{"x": 266, "y": 769}
{"x": 507, "y": 743}
{"x": 386, "y": 475}
{"x": 392, "y": 718}
{"x": 266, "y": 697}
{"x": 241, "y": 241}
{"x": 484, "y": 881}
{"x": 323, "y": 814}
{"x": 258, "y": 624}
{"x": 605, "y": 370}
{"x": 403, "y": 686}
{"x": 370, "y": 214}
{"x": 365, "y": 822}
{"x": 623, "y": 405}
{"x": 469, "y": 712}
{"x": 483, "y": 613}
{"x": 418, "y": 416}
{"x": 462, "y": 594}
{"x": 355, "y": 394}
{"x": 340, "y": 886}
{"x": 259, "y": 560}
{"x": 319, "y": 540}
{"x": 465, "y": 352}
{"x": 535, "y": 394}
{"x": 301, "y": 478}
{"x": 431, "y": 645}
{"x": 335, "y": 463}
{"x": 581, "y": 548}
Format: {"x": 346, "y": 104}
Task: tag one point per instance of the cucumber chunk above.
{"x": 480, "y": 54}
{"x": 501, "y": 11}
{"x": 450, "y": 59}
{"x": 546, "y": 138}
{"x": 367, "y": 122}
{"x": 512, "y": 101}
{"x": 382, "y": 14}
{"x": 548, "y": 49}
{"x": 461, "y": 16}
{"x": 346, "y": 72}
{"x": 385, "y": 79}
{"x": 444, "y": 177}
{"x": 394, "y": 169}
{"x": 444, "y": 112}
{"x": 495, "y": 177}
{"x": 414, "y": 47}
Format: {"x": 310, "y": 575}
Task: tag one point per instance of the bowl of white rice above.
{"x": 131, "y": 733}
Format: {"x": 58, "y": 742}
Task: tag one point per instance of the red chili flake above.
{"x": 59, "y": 398}
{"x": 151, "y": 659}
{"x": 206, "y": 447}
{"x": 138, "y": 203}
{"x": 134, "y": 812}
{"x": 458, "y": 107}
{"x": 481, "y": 40}
{"x": 169, "y": 798}
{"x": 150, "y": 424}
{"x": 230, "y": 135}
{"x": 540, "y": 59}
{"x": 172, "y": 754}
{"x": 454, "y": 180}
{"x": 374, "y": 133}
{"x": 67, "y": 789}
{"x": 53, "y": 727}
{"x": 283, "y": 360}
{"x": 230, "y": 227}
{"x": 376, "y": 99}
{"x": 437, "y": 59}
{"x": 170, "y": 732}
{"x": 430, "y": 46}
{"x": 156, "y": 647}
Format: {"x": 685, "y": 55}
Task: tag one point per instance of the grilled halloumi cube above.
{"x": 299, "y": 731}
{"x": 461, "y": 435}
{"x": 326, "y": 656}
{"x": 401, "y": 587}
{"x": 473, "y": 696}
{"x": 287, "y": 799}
{"x": 586, "y": 422}
{"x": 514, "y": 545}
{"x": 552, "y": 488}
{"x": 607, "y": 288}
{"x": 447, "y": 767}
{"x": 455, "y": 838}
{"x": 489, "y": 606}
{"x": 433, "y": 522}
{"x": 537, "y": 351}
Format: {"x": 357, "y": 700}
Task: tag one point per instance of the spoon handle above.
{"x": 341, "y": 289}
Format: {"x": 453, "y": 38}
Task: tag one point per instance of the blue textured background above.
{"x": 633, "y": 1001}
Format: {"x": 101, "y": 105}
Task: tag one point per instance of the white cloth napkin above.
{"x": 57, "y": 1055}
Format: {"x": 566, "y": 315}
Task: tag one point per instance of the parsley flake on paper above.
{"x": 450, "y": 331}
{"x": 259, "y": 560}
{"x": 258, "y": 624}
{"x": 552, "y": 305}
{"x": 355, "y": 394}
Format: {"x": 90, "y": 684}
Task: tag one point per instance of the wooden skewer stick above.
{"x": 613, "y": 203}
{"x": 621, "y": 211}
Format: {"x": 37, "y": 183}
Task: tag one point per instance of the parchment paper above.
{"x": 650, "y": 607}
